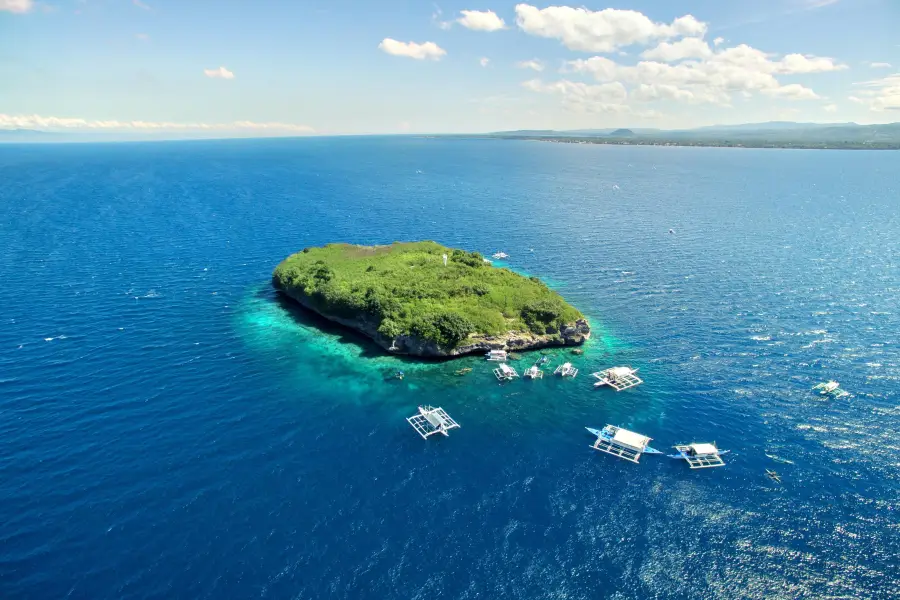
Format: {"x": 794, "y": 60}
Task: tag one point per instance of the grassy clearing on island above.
{"x": 406, "y": 289}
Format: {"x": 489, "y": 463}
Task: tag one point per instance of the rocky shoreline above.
{"x": 573, "y": 334}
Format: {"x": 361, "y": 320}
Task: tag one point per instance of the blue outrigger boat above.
{"x": 621, "y": 443}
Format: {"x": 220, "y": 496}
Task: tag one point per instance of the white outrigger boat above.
{"x": 431, "y": 420}
{"x": 622, "y": 443}
{"x": 496, "y": 355}
{"x": 500, "y": 255}
{"x": 566, "y": 370}
{"x": 533, "y": 372}
{"x": 830, "y": 388}
{"x": 505, "y": 372}
{"x": 618, "y": 378}
{"x": 700, "y": 456}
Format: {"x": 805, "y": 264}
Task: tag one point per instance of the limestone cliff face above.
{"x": 572, "y": 334}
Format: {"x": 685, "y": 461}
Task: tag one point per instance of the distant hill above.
{"x": 775, "y": 134}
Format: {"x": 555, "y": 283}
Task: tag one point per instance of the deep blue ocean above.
{"x": 170, "y": 428}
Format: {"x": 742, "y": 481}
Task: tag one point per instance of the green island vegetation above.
{"x": 407, "y": 300}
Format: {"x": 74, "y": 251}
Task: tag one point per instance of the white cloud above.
{"x": 583, "y": 97}
{"x": 66, "y": 123}
{"x": 142, "y": 36}
{"x": 810, "y": 4}
{"x": 794, "y": 91}
{"x": 879, "y": 94}
{"x": 713, "y": 76}
{"x": 880, "y": 65}
{"x": 484, "y": 61}
{"x": 428, "y": 50}
{"x": 830, "y": 108}
{"x": 533, "y": 64}
{"x": 680, "y": 50}
{"x": 16, "y": 6}
{"x": 140, "y": 4}
{"x": 481, "y": 20}
{"x": 718, "y": 41}
{"x": 601, "y": 31}
{"x": 220, "y": 73}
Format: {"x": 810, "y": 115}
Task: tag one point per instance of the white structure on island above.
{"x": 622, "y": 443}
{"x": 700, "y": 456}
{"x": 505, "y": 372}
{"x": 496, "y": 355}
{"x": 430, "y": 421}
{"x": 618, "y": 378}
{"x": 566, "y": 370}
{"x": 533, "y": 372}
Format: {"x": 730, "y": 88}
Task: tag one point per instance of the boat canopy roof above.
{"x": 704, "y": 449}
{"x": 505, "y": 368}
{"x": 620, "y": 371}
{"x": 630, "y": 439}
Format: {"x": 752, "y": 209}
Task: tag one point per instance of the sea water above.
{"x": 170, "y": 428}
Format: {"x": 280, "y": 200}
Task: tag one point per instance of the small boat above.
{"x": 618, "y": 378}
{"x": 544, "y": 360}
{"x": 829, "y": 388}
{"x": 430, "y": 420}
{"x": 400, "y": 375}
{"x": 671, "y": 231}
{"x": 621, "y": 443}
{"x": 499, "y": 255}
{"x": 533, "y": 372}
{"x": 700, "y": 456}
{"x": 566, "y": 370}
{"x": 505, "y": 372}
{"x": 773, "y": 476}
{"x": 496, "y": 355}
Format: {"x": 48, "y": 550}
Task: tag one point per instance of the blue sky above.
{"x": 390, "y": 66}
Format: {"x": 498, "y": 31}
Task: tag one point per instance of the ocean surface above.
{"x": 170, "y": 428}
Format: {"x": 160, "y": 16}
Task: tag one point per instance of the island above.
{"x": 424, "y": 299}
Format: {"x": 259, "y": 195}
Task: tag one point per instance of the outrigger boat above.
{"x": 496, "y": 355}
{"x": 544, "y": 360}
{"x": 431, "y": 420}
{"x": 618, "y": 378}
{"x": 700, "y": 456}
{"x": 830, "y": 388}
{"x": 621, "y": 443}
{"x": 566, "y": 370}
{"x": 499, "y": 255}
{"x": 505, "y": 372}
{"x": 533, "y": 372}
{"x": 773, "y": 476}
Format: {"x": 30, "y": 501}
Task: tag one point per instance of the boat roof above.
{"x": 630, "y": 438}
{"x": 705, "y": 448}
{"x": 505, "y": 368}
{"x": 620, "y": 371}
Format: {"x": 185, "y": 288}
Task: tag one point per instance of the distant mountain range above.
{"x": 771, "y": 134}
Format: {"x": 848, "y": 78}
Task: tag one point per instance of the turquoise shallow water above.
{"x": 172, "y": 429}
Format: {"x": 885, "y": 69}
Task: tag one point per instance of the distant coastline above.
{"x": 709, "y": 143}
{"x": 776, "y": 134}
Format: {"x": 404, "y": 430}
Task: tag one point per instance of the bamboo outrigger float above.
{"x": 700, "y": 456}
{"x": 618, "y": 378}
{"x": 622, "y": 443}
{"x": 431, "y": 420}
{"x": 566, "y": 370}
